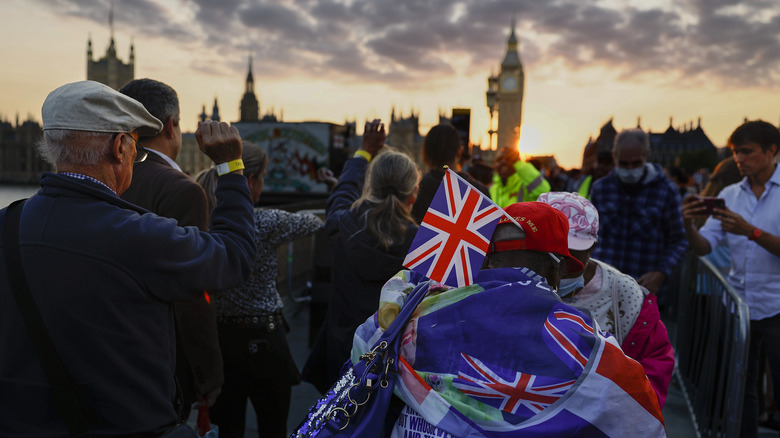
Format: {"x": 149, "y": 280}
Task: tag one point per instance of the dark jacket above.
{"x": 103, "y": 274}
{"x": 640, "y": 226}
{"x": 430, "y": 183}
{"x": 360, "y": 266}
{"x": 168, "y": 192}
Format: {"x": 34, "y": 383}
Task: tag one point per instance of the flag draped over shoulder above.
{"x": 505, "y": 358}
{"x": 455, "y": 233}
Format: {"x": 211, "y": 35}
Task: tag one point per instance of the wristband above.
{"x": 364, "y": 154}
{"x": 756, "y": 233}
{"x": 230, "y": 166}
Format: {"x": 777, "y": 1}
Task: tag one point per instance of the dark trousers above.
{"x": 764, "y": 333}
{"x": 259, "y": 367}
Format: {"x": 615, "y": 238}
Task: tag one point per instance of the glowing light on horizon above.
{"x": 530, "y": 141}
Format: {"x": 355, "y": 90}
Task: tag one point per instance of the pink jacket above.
{"x": 648, "y": 343}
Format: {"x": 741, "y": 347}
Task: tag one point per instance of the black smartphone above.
{"x": 711, "y": 203}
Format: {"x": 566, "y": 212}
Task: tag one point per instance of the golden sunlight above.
{"x": 530, "y": 142}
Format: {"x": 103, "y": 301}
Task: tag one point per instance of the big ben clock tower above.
{"x": 509, "y": 98}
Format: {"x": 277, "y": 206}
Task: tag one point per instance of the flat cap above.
{"x": 92, "y": 106}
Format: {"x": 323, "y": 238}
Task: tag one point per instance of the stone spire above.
{"x": 215, "y": 111}
{"x": 250, "y": 107}
{"x": 512, "y": 57}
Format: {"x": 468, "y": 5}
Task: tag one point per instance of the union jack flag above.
{"x": 563, "y": 333}
{"x": 511, "y": 391}
{"x": 455, "y": 233}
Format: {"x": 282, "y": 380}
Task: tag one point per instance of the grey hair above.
{"x": 255, "y": 162}
{"x": 65, "y": 146}
{"x": 158, "y": 98}
{"x": 630, "y": 137}
{"x": 392, "y": 177}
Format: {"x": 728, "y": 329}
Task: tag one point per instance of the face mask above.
{"x": 630, "y": 176}
{"x": 569, "y": 285}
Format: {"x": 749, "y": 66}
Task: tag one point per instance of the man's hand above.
{"x": 693, "y": 208}
{"x": 733, "y": 223}
{"x": 373, "y": 137}
{"x": 211, "y": 396}
{"x": 220, "y": 141}
{"x": 325, "y": 175}
{"x": 652, "y": 281}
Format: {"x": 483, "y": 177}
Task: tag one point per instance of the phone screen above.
{"x": 711, "y": 203}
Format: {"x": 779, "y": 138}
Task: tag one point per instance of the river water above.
{"x": 10, "y": 193}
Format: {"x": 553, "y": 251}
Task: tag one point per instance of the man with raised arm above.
{"x": 103, "y": 272}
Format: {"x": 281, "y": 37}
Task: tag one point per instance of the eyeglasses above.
{"x": 141, "y": 152}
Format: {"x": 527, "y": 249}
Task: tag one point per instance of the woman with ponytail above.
{"x": 370, "y": 229}
{"x": 252, "y": 330}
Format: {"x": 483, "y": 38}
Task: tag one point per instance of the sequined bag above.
{"x": 357, "y": 404}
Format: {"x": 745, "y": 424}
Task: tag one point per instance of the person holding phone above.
{"x": 748, "y": 222}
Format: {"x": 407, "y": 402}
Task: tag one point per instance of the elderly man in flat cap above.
{"x": 101, "y": 274}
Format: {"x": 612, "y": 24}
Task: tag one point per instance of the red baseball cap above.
{"x": 546, "y": 230}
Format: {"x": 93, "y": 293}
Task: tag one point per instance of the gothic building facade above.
{"x": 250, "y": 107}
{"x": 509, "y": 97}
{"x": 109, "y": 69}
{"x": 665, "y": 147}
{"x": 19, "y": 161}
{"x": 404, "y": 135}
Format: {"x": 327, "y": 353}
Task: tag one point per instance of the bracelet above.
{"x": 364, "y": 154}
{"x": 230, "y": 166}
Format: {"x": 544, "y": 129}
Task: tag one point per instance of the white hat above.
{"x": 92, "y": 106}
{"x": 583, "y": 217}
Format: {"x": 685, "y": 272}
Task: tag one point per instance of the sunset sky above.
{"x": 328, "y": 60}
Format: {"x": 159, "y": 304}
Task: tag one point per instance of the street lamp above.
{"x": 492, "y": 101}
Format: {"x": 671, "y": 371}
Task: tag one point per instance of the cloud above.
{"x": 405, "y": 42}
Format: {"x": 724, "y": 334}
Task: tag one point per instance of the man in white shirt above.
{"x": 750, "y": 225}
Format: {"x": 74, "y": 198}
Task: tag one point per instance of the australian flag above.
{"x": 455, "y": 233}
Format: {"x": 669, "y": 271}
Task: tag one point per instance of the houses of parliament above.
{"x": 20, "y": 163}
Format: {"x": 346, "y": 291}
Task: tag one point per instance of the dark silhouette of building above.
{"x": 250, "y": 107}
{"x": 215, "y": 111}
{"x": 665, "y": 147}
{"x": 404, "y": 135}
{"x": 19, "y": 161}
{"x": 110, "y": 70}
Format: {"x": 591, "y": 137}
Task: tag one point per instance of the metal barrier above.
{"x": 297, "y": 264}
{"x": 709, "y": 326}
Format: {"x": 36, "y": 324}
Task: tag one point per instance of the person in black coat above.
{"x": 370, "y": 230}
{"x": 441, "y": 148}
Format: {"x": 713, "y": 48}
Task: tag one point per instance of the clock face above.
{"x": 509, "y": 83}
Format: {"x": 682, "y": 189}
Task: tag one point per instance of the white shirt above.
{"x": 166, "y": 158}
{"x": 755, "y": 272}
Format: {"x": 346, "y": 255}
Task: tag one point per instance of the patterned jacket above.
{"x": 641, "y": 228}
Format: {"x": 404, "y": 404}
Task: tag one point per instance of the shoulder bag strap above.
{"x": 65, "y": 399}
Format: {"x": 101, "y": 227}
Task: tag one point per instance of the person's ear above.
{"x": 120, "y": 149}
{"x": 413, "y": 197}
{"x": 168, "y": 128}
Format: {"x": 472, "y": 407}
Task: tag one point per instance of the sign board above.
{"x": 295, "y": 152}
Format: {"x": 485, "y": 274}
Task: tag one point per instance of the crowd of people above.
{"x": 136, "y": 292}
